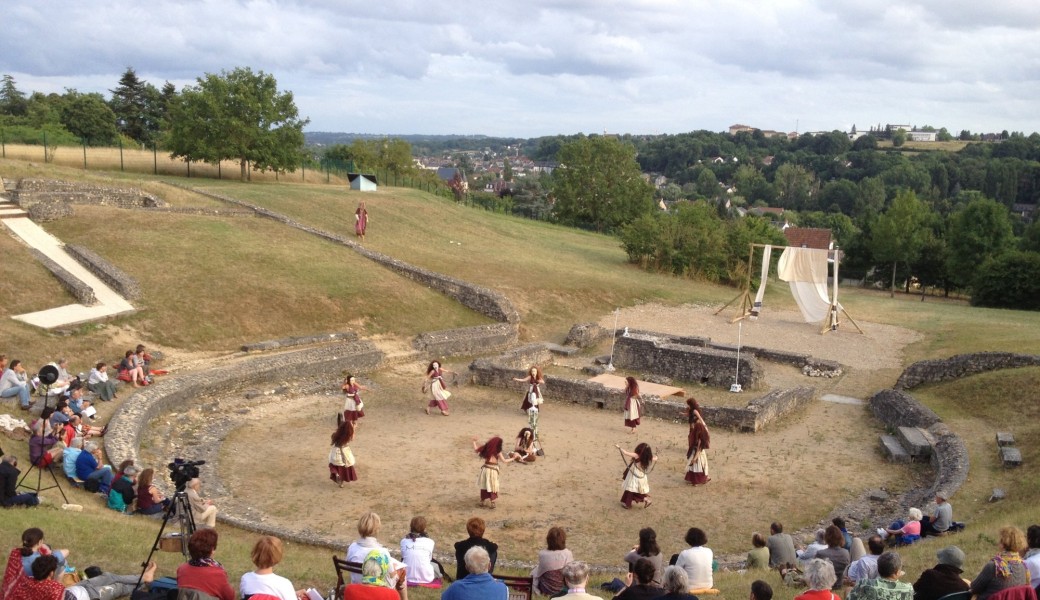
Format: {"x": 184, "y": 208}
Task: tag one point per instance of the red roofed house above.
{"x": 809, "y": 237}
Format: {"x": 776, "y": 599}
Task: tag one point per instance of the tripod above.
{"x": 179, "y": 509}
{"x": 39, "y": 472}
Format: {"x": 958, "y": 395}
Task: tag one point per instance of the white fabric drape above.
{"x": 805, "y": 269}
{"x": 767, "y": 254}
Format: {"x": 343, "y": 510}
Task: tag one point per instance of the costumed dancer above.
{"x": 341, "y": 459}
{"x": 633, "y": 403}
{"x": 697, "y": 461}
{"x": 491, "y": 452}
{"x": 533, "y": 396}
{"x": 524, "y": 450}
{"x": 353, "y": 407}
{"x": 693, "y": 415}
{"x": 438, "y": 388}
{"x": 361, "y": 220}
{"x": 637, "y": 484}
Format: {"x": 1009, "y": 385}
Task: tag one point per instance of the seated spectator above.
{"x": 676, "y": 585}
{"x": 69, "y": 456}
{"x": 815, "y": 546}
{"x": 122, "y": 468}
{"x": 84, "y": 430}
{"x": 856, "y": 549}
{"x": 840, "y": 524}
{"x": 129, "y": 370}
{"x": 758, "y": 556}
{"x": 150, "y": 500}
{"x": 903, "y": 534}
{"x": 33, "y": 548}
{"x": 886, "y": 586}
{"x": 9, "y": 495}
{"x": 375, "y": 581}
{"x": 106, "y": 586}
{"x": 1032, "y": 556}
{"x": 45, "y": 449}
{"x": 1006, "y": 569}
{"x": 647, "y": 549}
{"x": 548, "y": 576}
{"x": 944, "y": 578}
{"x": 42, "y": 585}
{"x": 478, "y": 584}
{"x": 939, "y": 523}
{"x": 639, "y": 584}
{"x": 76, "y": 401}
{"x": 89, "y": 467}
{"x": 61, "y": 384}
{"x": 99, "y": 383}
{"x": 475, "y": 527}
{"x": 835, "y": 553}
{"x": 202, "y": 510}
{"x": 820, "y": 578}
{"x": 358, "y": 551}
{"x": 760, "y": 590}
{"x": 781, "y": 546}
{"x": 202, "y": 573}
{"x": 417, "y": 555}
{"x": 13, "y": 382}
{"x": 124, "y": 491}
{"x": 576, "y": 578}
{"x": 267, "y": 553}
{"x": 866, "y": 567}
{"x": 697, "y": 560}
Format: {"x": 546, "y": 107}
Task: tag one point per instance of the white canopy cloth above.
{"x": 805, "y": 269}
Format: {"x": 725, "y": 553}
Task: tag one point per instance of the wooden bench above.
{"x": 520, "y": 588}
{"x": 343, "y": 566}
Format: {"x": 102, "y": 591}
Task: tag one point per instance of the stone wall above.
{"x": 466, "y": 340}
{"x": 962, "y": 365}
{"x": 32, "y": 191}
{"x": 267, "y": 345}
{"x": 665, "y": 355}
{"x": 83, "y": 293}
{"x": 41, "y": 212}
{"x": 896, "y": 408}
{"x": 124, "y": 285}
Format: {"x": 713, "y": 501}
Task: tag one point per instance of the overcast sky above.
{"x": 528, "y": 68}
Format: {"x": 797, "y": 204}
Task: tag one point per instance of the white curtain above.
{"x": 767, "y": 254}
{"x": 805, "y": 269}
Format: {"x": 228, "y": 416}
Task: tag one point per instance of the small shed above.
{"x": 362, "y": 181}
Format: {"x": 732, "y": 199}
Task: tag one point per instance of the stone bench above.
{"x": 1010, "y": 457}
{"x": 894, "y": 450}
{"x": 1005, "y": 438}
{"x": 915, "y": 442}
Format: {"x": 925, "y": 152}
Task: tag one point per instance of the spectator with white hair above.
{"x": 479, "y": 584}
{"x": 89, "y": 467}
{"x": 904, "y": 534}
{"x": 576, "y": 578}
{"x": 819, "y": 576}
{"x": 886, "y": 586}
{"x": 676, "y": 585}
{"x": 202, "y": 509}
{"x": 69, "y": 456}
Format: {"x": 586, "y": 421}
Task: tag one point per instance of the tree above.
{"x": 978, "y": 231}
{"x": 794, "y": 186}
{"x": 507, "y": 170}
{"x": 599, "y": 185}
{"x": 12, "y": 101}
{"x": 1008, "y": 280}
{"x": 237, "y": 115}
{"x": 89, "y": 117}
{"x": 899, "y": 232}
{"x": 138, "y": 108}
{"x": 707, "y": 184}
{"x": 898, "y": 137}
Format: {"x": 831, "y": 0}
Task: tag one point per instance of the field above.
{"x": 213, "y": 283}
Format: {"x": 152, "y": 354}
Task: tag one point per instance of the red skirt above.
{"x": 338, "y": 474}
{"x": 353, "y": 415}
{"x": 629, "y": 497}
{"x": 697, "y": 478}
{"x": 486, "y": 495}
{"x": 632, "y": 422}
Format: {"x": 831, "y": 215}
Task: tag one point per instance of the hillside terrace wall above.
{"x": 466, "y": 340}
{"x": 663, "y": 355}
{"x": 124, "y": 285}
{"x": 32, "y": 191}
{"x": 83, "y": 293}
{"x": 280, "y": 344}
{"x": 962, "y": 365}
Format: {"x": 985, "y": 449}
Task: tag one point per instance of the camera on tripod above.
{"x": 182, "y": 471}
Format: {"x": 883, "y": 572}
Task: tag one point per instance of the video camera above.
{"x": 182, "y": 471}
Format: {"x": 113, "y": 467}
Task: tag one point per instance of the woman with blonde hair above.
{"x": 1006, "y": 569}
{"x": 368, "y": 527}
{"x": 267, "y": 553}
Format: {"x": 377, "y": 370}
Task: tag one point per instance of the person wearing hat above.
{"x": 939, "y": 523}
{"x": 944, "y": 578}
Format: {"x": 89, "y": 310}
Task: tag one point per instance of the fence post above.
{"x": 155, "y": 158}
{"x": 3, "y": 143}
{"x": 303, "y": 173}
{"x": 218, "y": 171}
{"x": 187, "y": 161}
{"x": 328, "y": 172}
{"x": 84, "y": 154}
{"x": 121, "y": 153}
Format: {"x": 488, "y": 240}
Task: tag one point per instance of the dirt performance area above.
{"x": 796, "y": 471}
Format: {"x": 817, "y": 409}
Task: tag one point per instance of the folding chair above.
{"x": 341, "y": 567}
{"x": 520, "y": 588}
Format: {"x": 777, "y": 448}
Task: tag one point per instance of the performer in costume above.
{"x": 353, "y": 407}
{"x": 693, "y": 414}
{"x": 524, "y": 451}
{"x": 697, "y": 465}
{"x": 439, "y": 393}
{"x": 491, "y": 452}
{"x": 633, "y": 403}
{"x": 533, "y": 396}
{"x": 361, "y": 220}
{"x": 637, "y": 484}
{"x": 341, "y": 459}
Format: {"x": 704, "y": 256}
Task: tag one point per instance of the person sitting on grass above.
{"x": 1006, "y": 569}
{"x": 13, "y": 382}
{"x": 9, "y": 495}
{"x": 866, "y": 567}
{"x": 33, "y": 548}
{"x": 781, "y": 546}
{"x": 76, "y": 401}
{"x": 124, "y": 491}
{"x": 203, "y": 512}
{"x": 835, "y": 552}
{"x": 904, "y": 534}
{"x": 150, "y": 500}
{"x": 45, "y": 449}
{"x": 819, "y": 576}
{"x": 697, "y": 560}
{"x": 944, "y": 578}
{"x": 886, "y": 586}
{"x": 89, "y": 467}
{"x": 69, "y": 456}
{"x": 42, "y": 585}
{"x": 105, "y": 586}
{"x": 130, "y": 371}
{"x": 760, "y": 590}
{"x": 758, "y": 556}
{"x": 939, "y": 523}
{"x": 676, "y": 585}
{"x": 99, "y": 383}
{"x": 576, "y": 578}
{"x": 639, "y": 585}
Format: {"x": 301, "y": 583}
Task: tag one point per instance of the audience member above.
{"x": 267, "y": 553}
{"x": 944, "y": 578}
{"x": 150, "y": 500}
{"x": 33, "y": 548}
{"x": 417, "y": 555}
{"x": 9, "y": 495}
{"x": 856, "y": 549}
{"x": 639, "y": 584}
{"x": 760, "y": 590}
{"x": 781, "y": 546}
{"x": 478, "y": 584}
{"x": 903, "y": 534}
{"x": 75, "y": 400}
{"x": 202, "y": 573}
{"x": 840, "y": 524}
{"x": 99, "y": 383}
{"x": 106, "y": 586}
{"x": 648, "y": 549}
{"x": 1004, "y": 570}
{"x": 13, "y": 382}
{"x": 819, "y": 543}
{"x": 940, "y": 522}
{"x": 124, "y": 491}
{"x": 866, "y": 567}
{"x": 1032, "y": 556}
{"x": 819, "y": 577}
{"x": 548, "y": 575}
{"x": 475, "y": 527}
{"x": 576, "y": 578}
{"x": 697, "y": 559}
{"x": 69, "y": 456}
{"x": 358, "y": 551}
{"x": 375, "y": 573}
{"x": 203, "y": 512}
{"x": 835, "y": 553}
{"x": 758, "y": 556}
{"x": 676, "y": 585}
{"x": 42, "y": 585}
{"x": 45, "y": 449}
{"x": 129, "y": 371}
{"x": 886, "y": 586}
{"x": 89, "y": 468}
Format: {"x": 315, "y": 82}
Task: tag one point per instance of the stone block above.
{"x": 1005, "y": 438}
{"x": 914, "y": 441}
{"x": 998, "y": 495}
{"x": 894, "y": 450}
{"x": 1010, "y": 457}
{"x": 896, "y": 408}
{"x": 563, "y": 350}
{"x": 584, "y": 335}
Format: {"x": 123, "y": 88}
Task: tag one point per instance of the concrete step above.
{"x": 894, "y": 450}
{"x": 915, "y": 442}
{"x": 563, "y": 350}
{"x": 1005, "y": 438}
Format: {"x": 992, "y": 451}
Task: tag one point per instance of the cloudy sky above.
{"x": 541, "y": 67}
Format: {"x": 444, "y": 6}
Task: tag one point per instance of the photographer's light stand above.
{"x": 179, "y": 509}
{"x": 39, "y": 474}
